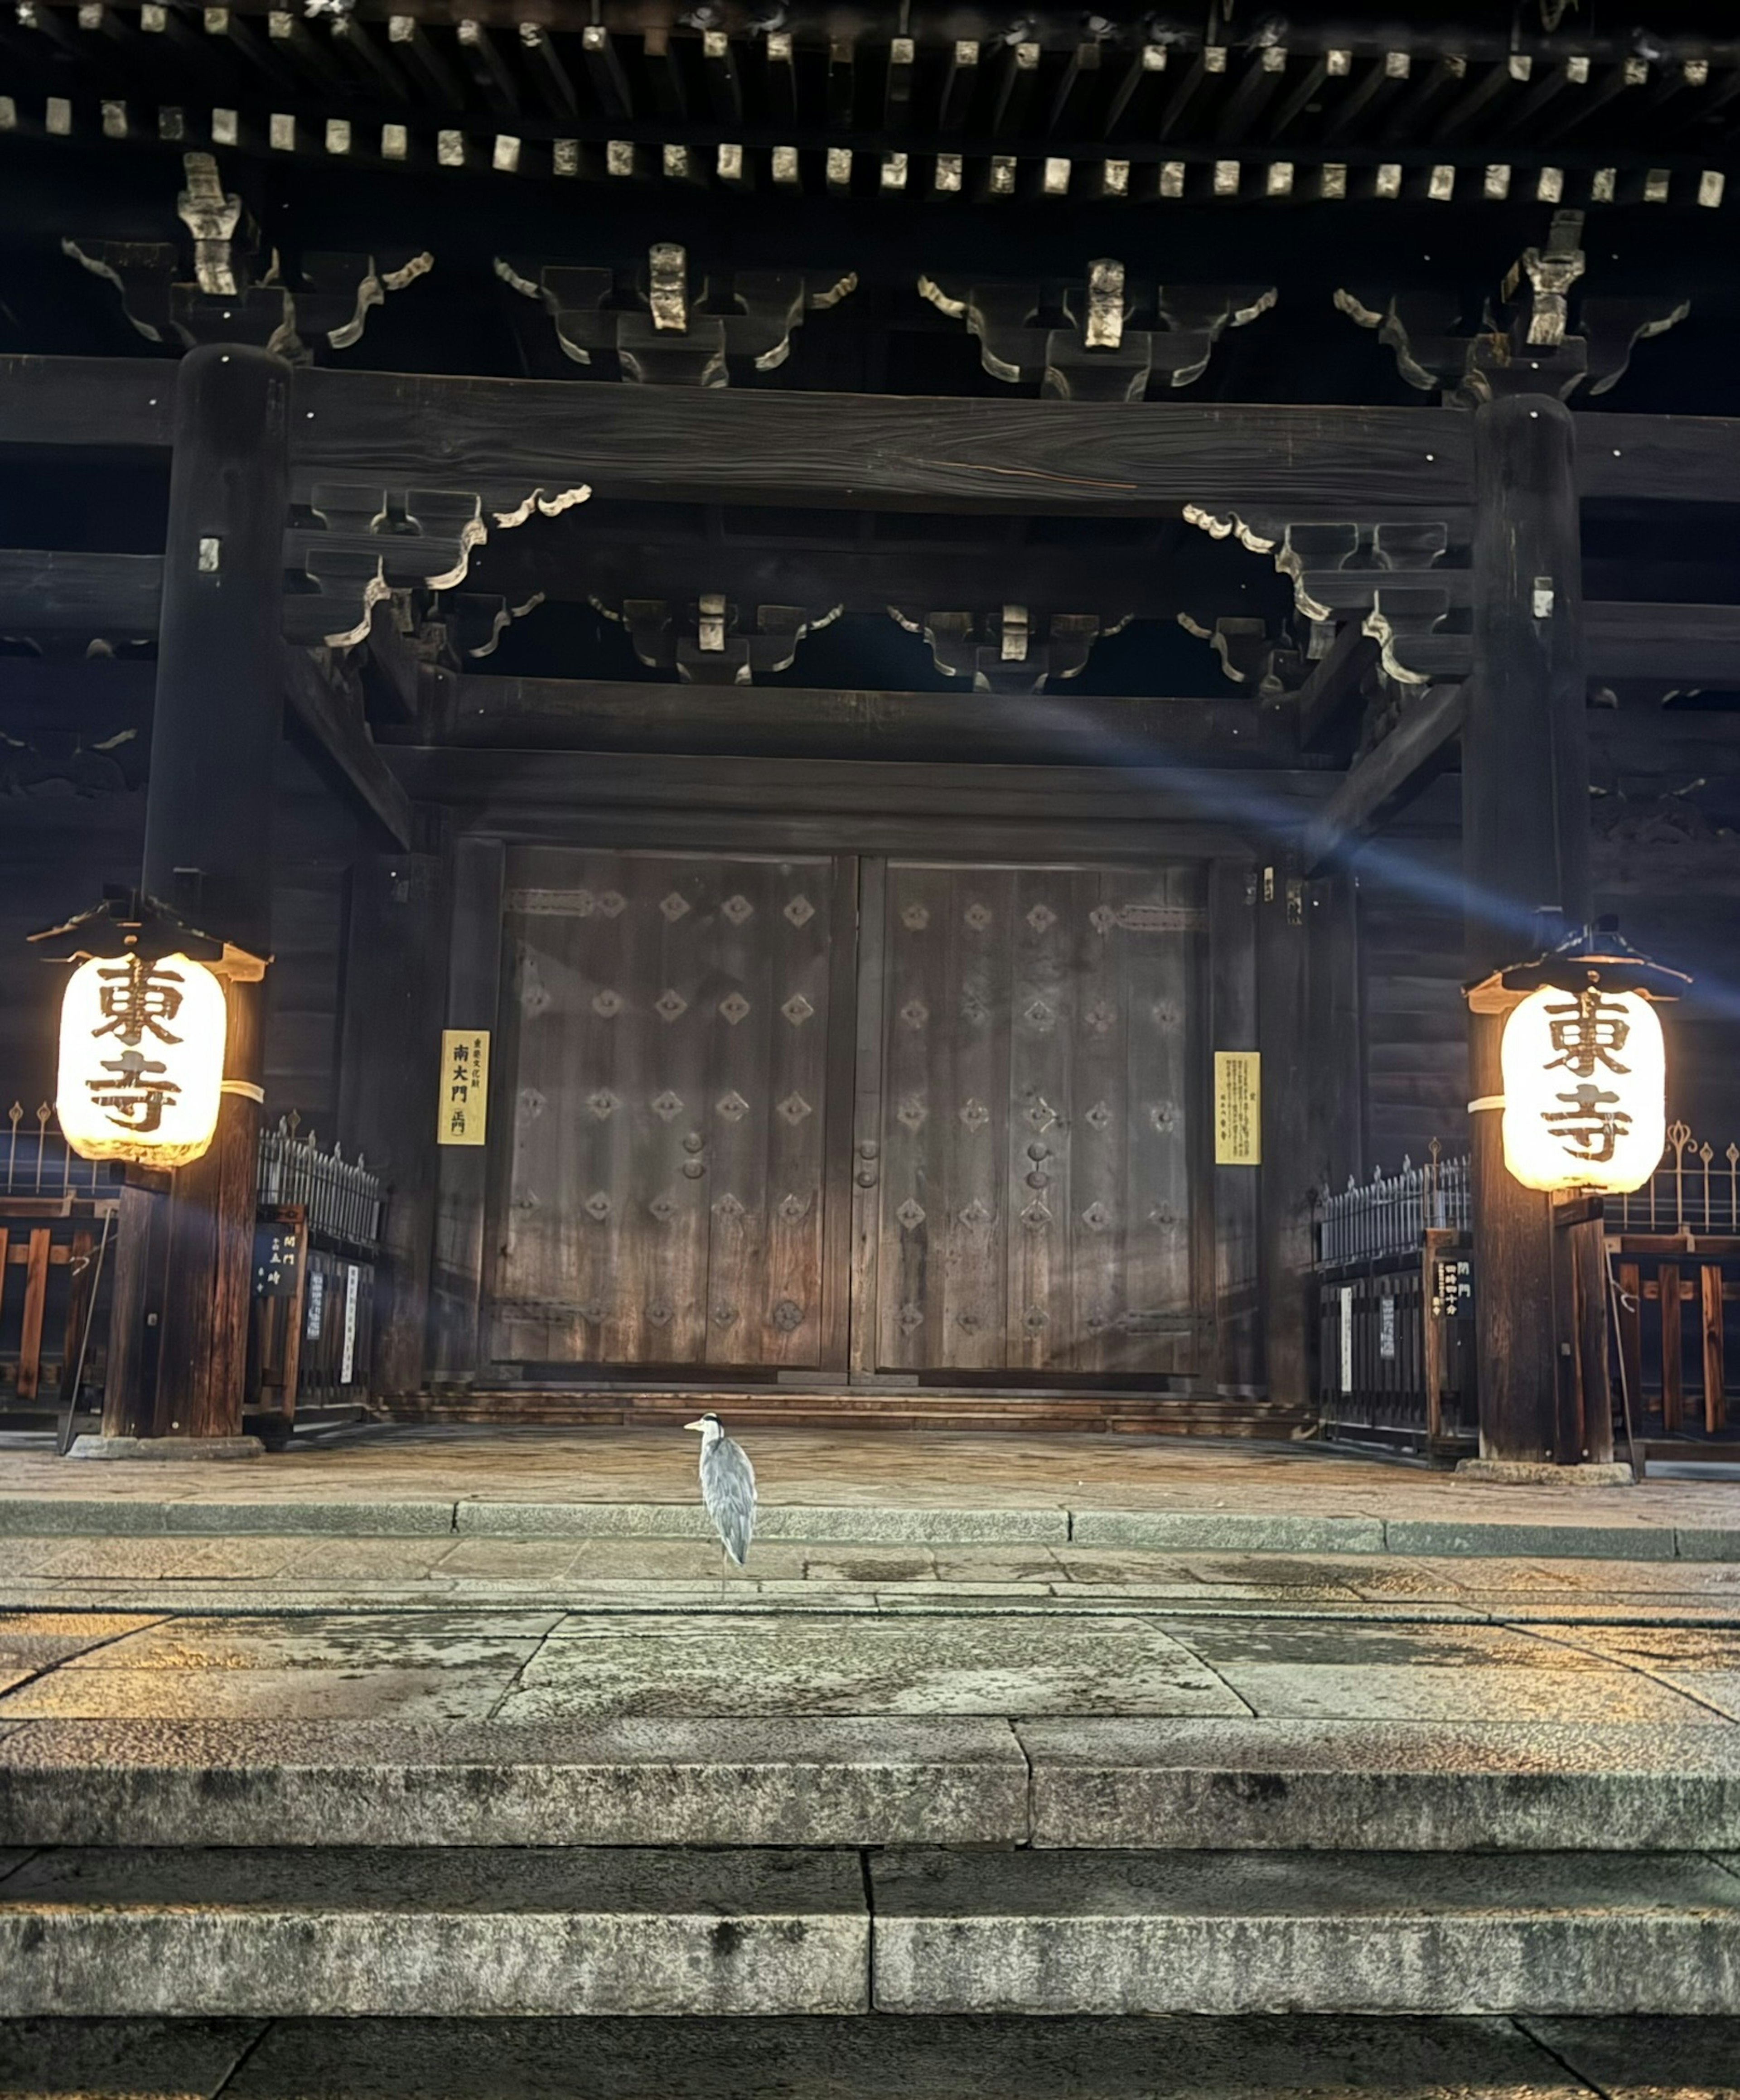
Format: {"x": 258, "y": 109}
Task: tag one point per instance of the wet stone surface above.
{"x": 986, "y": 1664}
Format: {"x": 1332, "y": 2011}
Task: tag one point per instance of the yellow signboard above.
{"x": 1238, "y": 1108}
{"x": 465, "y": 1086}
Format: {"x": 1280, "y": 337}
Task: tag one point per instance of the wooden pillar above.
{"x": 1287, "y": 1167}
{"x": 1233, "y": 1025}
{"x": 1526, "y": 847}
{"x": 395, "y": 991}
{"x": 185, "y": 1260}
{"x": 473, "y": 990}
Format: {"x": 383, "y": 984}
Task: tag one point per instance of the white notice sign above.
{"x": 1347, "y": 1338}
{"x": 352, "y": 1283}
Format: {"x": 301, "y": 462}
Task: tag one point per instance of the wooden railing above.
{"x": 1673, "y": 1251}
{"x": 57, "y": 1215}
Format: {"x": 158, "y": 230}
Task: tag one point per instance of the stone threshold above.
{"x": 143, "y": 1514}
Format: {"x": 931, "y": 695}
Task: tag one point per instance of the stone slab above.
{"x": 53, "y": 2059}
{"x": 781, "y": 1521}
{"x": 301, "y": 1516}
{"x": 179, "y": 1450}
{"x": 428, "y": 1639}
{"x": 38, "y": 1640}
{"x": 242, "y": 1933}
{"x": 1180, "y": 2058}
{"x": 1191, "y": 1531}
{"x": 653, "y": 1782}
{"x": 1582, "y": 1542}
{"x": 1648, "y": 2059}
{"x": 1696, "y": 1542}
{"x": 378, "y": 1693}
{"x": 34, "y": 1515}
{"x": 1324, "y": 1932}
{"x": 1347, "y": 1786}
{"x": 870, "y": 1664}
{"x": 1538, "y": 1473}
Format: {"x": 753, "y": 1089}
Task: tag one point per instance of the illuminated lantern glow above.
{"x": 1585, "y": 1090}
{"x": 141, "y": 1070}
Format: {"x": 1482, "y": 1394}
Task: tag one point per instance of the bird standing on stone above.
{"x": 727, "y": 1486}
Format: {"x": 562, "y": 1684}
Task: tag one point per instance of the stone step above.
{"x": 1181, "y": 2059}
{"x": 246, "y": 1933}
{"x": 1151, "y": 1785}
{"x": 243, "y": 1932}
{"x": 1124, "y": 1933}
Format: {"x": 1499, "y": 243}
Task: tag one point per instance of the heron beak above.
{"x": 694, "y": 1425}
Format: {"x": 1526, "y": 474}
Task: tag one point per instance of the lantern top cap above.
{"x": 1589, "y": 958}
{"x": 127, "y": 922}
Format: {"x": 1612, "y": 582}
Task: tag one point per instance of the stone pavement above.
{"x": 298, "y": 1814}
{"x": 867, "y": 1487}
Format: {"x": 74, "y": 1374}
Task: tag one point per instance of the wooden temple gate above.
{"x": 857, "y": 1039}
{"x": 796, "y": 1114}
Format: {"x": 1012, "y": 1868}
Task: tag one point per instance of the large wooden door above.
{"x": 1032, "y": 1124}
{"x": 665, "y": 1057}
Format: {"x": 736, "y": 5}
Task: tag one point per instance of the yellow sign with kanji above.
{"x": 1238, "y": 1108}
{"x": 464, "y": 1111}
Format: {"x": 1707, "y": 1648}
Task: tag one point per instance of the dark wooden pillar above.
{"x": 395, "y": 991}
{"x": 1525, "y": 833}
{"x": 473, "y": 990}
{"x": 1233, "y": 1025}
{"x": 185, "y": 1258}
{"x": 1287, "y": 1167}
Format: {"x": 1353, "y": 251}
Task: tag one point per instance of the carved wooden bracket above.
{"x": 41, "y": 760}
{"x": 1009, "y": 650}
{"x": 354, "y": 546}
{"x": 1522, "y": 343}
{"x": 236, "y": 292}
{"x": 1404, "y": 578}
{"x": 664, "y": 330}
{"x": 1101, "y": 338}
{"x": 711, "y": 642}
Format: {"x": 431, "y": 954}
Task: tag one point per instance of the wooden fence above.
{"x": 312, "y": 1327}
{"x": 1673, "y": 1253}
{"x": 57, "y": 1215}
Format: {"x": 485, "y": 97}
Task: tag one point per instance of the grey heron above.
{"x": 727, "y": 1486}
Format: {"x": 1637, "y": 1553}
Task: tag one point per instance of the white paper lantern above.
{"x": 141, "y": 1059}
{"x": 1585, "y": 1090}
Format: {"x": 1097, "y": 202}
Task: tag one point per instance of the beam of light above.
{"x": 1225, "y": 796}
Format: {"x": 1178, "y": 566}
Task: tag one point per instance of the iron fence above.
{"x": 1694, "y": 1189}
{"x": 36, "y": 1162}
{"x": 1389, "y": 1214}
{"x": 341, "y": 1197}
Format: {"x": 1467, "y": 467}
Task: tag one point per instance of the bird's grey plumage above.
{"x": 727, "y": 1487}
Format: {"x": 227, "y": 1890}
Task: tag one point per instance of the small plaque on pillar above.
{"x": 1238, "y": 1108}
{"x": 465, "y": 1086}
{"x": 277, "y": 1257}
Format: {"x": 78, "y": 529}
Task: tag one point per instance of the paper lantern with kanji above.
{"x": 1585, "y": 1090}
{"x": 141, "y": 1059}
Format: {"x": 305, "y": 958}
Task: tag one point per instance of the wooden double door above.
{"x": 886, "y": 1118}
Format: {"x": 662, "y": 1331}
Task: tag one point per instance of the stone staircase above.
{"x": 1232, "y": 1907}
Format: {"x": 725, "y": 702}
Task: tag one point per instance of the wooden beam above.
{"x": 794, "y": 721}
{"x": 1330, "y": 696}
{"x": 337, "y": 740}
{"x": 391, "y": 669}
{"x": 1387, "y": 778}
{"x": 506, "y": 437}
